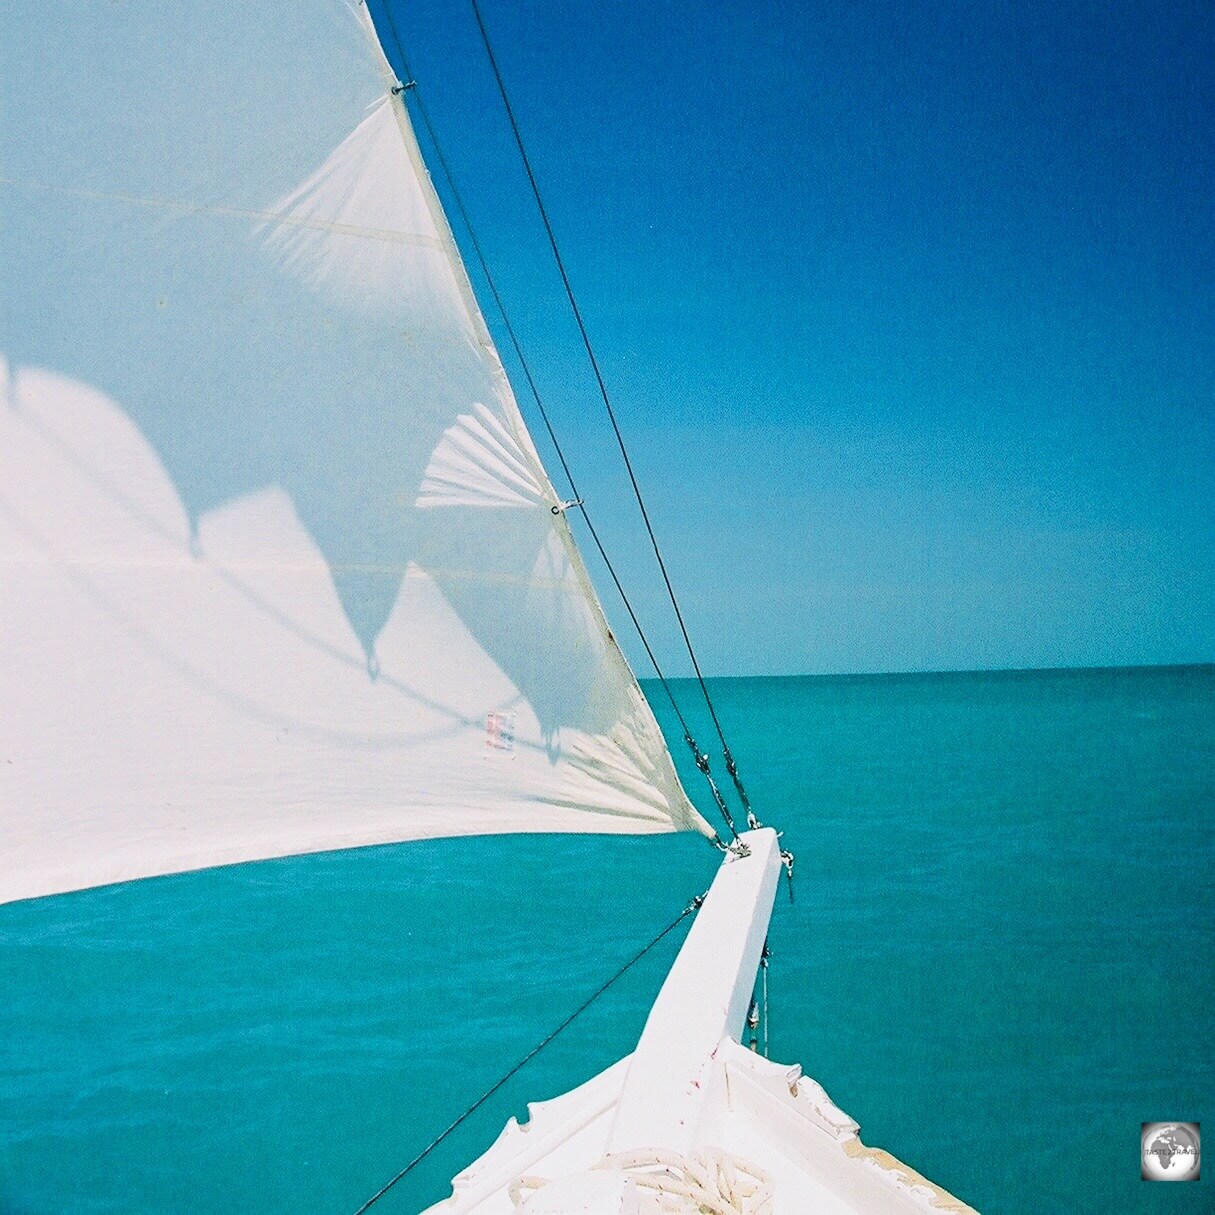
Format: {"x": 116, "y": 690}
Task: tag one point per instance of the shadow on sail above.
{"x": 281, "y": 564}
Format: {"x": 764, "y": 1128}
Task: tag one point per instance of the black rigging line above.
{"x": 694, "y": 905}
{"x": 410, "y": 89}
{"x": 731, "y": 766}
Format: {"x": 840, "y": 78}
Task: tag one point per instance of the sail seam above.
{"x": 386, "y": 235}
{"x": 320, "y": 567}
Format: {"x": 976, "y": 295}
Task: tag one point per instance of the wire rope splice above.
{"x": 732, "y": 769}
{"x": 787, "y": 858}
{"x": 758, "y": 1012}
{"x": 702, "y": 764}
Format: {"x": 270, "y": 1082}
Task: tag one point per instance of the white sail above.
{"x": 278, "y": 566}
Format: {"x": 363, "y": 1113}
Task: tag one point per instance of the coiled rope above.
{"x": 708, "y": 1182}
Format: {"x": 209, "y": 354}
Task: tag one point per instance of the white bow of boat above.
{"x": 284, "y": 571}
{"x": 692, "y": 1121}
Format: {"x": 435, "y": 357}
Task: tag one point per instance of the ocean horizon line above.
{"x": 932, "y": 672}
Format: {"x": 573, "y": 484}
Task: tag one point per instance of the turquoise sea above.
{"x": 1000, "y": 961}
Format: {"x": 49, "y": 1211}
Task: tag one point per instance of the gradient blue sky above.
{"x": 908, "y": 311}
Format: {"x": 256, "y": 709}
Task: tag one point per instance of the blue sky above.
{"x": 908, "y": 312}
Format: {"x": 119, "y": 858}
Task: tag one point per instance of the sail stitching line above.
{"x": 411, "y": 91}
{"x": 387, "y": 235}
{"x": 731, "y": 766}
{"x": 214, "y": 687}
{"x": 694, "y": 905}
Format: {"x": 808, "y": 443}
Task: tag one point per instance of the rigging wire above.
{"x": 694, "y": 905}
{"x": 731, "y": 766}
{"x": 764, "y": 958}
{"x": 410, "y": 89}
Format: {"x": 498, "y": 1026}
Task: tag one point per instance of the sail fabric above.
{"x": 279, "y": 566}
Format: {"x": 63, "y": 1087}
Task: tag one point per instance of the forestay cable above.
{"x": 410, "y": 90}
{"x": 731, "y": 766}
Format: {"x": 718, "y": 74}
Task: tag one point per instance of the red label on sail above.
{"x": 500, "y": 732}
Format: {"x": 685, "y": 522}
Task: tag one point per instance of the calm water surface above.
{"x": 1000, "y": 961}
